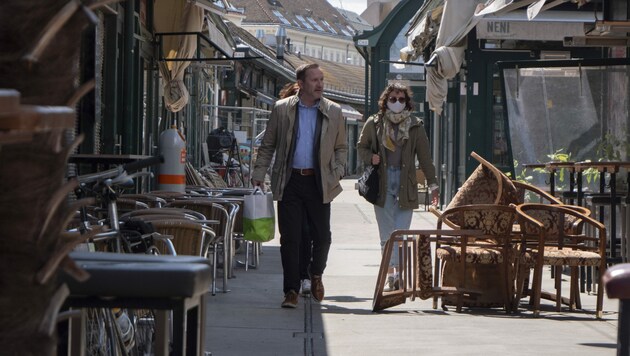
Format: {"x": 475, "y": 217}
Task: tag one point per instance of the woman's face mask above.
{"x": 396, "y": 106}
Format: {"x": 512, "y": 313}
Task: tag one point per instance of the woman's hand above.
{"x": 376, "y": 159}
{"x": 434, "y": 191}
{"x": 435, "y": 195}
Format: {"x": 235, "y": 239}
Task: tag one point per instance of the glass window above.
{"x": 328, "y": 26}
{"x": 304, "y": 22}
{"x": 281, "y": 17}
{"x": 346, "y": 33}
{"x": 314, "y": 23}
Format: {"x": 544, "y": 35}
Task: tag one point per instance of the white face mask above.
{"x": 396, "y": 107}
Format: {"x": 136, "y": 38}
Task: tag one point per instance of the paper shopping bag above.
{"x": 258, "y": 216}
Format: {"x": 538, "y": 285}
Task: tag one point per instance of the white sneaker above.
{"x": 306, "y": 287}
{"x": 392, "y": 283}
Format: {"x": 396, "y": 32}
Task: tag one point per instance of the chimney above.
{"x": 289, "y": 46}
{"x": 281, "y": 35}
{"x": 260, "y": 35}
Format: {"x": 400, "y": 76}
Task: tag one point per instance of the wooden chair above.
{"x": 493, "y": 250}
{"x": 528, "y": 193}
{"x": 486, "y": 185}
{"x": 415, "y": 264}
{"x": 559, "y": 232}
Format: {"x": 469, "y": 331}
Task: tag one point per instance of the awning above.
{"x": 169, "y": 17}
{"x": 447, "y": 58}
{"x": 215, "y": 7}
{"x": 218, "y": 38}
{"x": 423, "y": 29}
{"x": 491, "y": 19}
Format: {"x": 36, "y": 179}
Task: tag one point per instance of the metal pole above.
{"x": 128, "y": 73}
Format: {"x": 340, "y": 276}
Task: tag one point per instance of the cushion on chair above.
{"x": 569, "y": 257}
{"x": 479, "y": 255}
{"x": 482, "y": 187}
{"x": 425, "y": 270}
{"x": 551, "y": 219}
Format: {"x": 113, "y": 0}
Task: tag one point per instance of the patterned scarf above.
{"x": 390, "y": 141}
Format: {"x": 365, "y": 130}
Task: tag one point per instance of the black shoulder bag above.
{"x": 369, "y": 181}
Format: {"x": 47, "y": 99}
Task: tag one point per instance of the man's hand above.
{"x": 376, "y": 159}
{"x": 259, "y": 184}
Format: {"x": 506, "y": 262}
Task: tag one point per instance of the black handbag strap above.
{"x": 375, "y": 141}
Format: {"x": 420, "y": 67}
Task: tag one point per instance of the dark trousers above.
{"x": 306, "y": 249}
{"x": 301, "y": 197}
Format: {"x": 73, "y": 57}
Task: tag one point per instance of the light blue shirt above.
{"x": 305, "y": 141}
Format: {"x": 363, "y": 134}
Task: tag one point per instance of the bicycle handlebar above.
{"x": 114, "y": 172}
{"x": 138, "y": 165}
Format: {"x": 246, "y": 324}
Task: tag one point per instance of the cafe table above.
{"x": 611, "y": 168}
{"x": 553, "y": 167}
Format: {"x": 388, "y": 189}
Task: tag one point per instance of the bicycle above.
{"x": 117, "y": 331}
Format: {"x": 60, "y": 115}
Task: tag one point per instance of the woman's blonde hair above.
{"x": 288, "y": 90}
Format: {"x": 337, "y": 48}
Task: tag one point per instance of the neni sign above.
{"x": 528, "y": 30}
{"x": 502, "y": 27}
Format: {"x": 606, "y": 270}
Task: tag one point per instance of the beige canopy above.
{"x": 458, "y": 17}
{"x": 176, "y": 16}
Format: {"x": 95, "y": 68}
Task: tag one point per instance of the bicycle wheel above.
{"x": 144, "y": 334}
{"x": 101, "y": 336}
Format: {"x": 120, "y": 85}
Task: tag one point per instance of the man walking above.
{"x": 308, "y": 136}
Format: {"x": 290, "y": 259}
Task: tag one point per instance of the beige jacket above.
{"x": 417, "y": 146}
{"x": 333, "y": 148}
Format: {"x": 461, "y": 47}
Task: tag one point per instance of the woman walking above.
{"x": 393, "y": 139}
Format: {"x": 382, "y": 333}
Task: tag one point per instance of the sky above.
{"x": 357, "y": 6}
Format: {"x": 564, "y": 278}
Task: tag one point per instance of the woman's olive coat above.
{"x": 417, "y": 146}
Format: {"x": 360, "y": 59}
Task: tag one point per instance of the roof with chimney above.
{"x": 342, "y": 82}
{"x": 317, "y": 16}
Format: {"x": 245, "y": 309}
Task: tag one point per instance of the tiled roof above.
{"x": 248, "y": 38}
{"x": 340, "y": 80}
{"x": 305, "y": 15}
{"x": 355, "y": 20}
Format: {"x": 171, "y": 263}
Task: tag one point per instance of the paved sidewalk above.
{"x": 248, "y": 320}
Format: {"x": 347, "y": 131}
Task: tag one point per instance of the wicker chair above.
{"x": 126, "y": 204}
{"x": 151, "y": 200}
{"x": 190, "y": 238}
{"x": 186, "y": 213}
{"x": 224, "y": 213}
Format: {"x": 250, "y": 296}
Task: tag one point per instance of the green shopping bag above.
{"x": 259, "y": 220}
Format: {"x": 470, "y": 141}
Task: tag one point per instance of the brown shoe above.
{"x": 317, "y": 288}
{"x": 290, "y": 300}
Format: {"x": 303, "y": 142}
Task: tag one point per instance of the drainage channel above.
{"x": 308, "y": 334}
